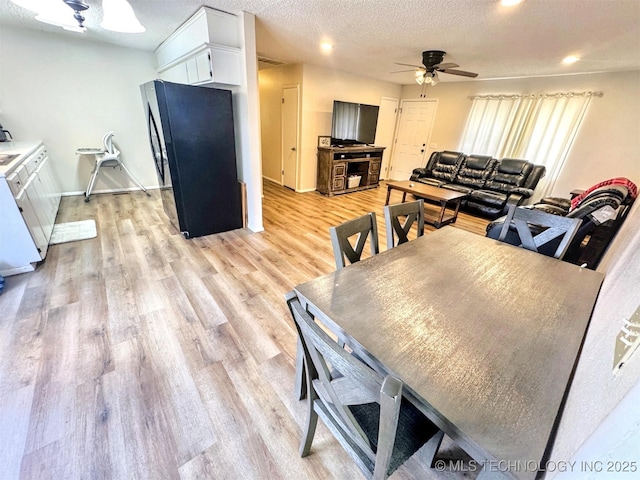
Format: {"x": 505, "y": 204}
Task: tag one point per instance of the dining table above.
{"x": 484, "y": 335}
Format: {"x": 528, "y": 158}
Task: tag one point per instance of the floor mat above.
{"x": 73, "y": 231}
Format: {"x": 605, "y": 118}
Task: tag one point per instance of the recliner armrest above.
{"x": 525, "y": 192}
{"x": 514, "y": 198}
{"x": 560, "y": 202}
{"x": 422, "y": 172}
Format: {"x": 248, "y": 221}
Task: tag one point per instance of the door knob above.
{"x": 422, "y": 151}
{"x": 293, "y": 149}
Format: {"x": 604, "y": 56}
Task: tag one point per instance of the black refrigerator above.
{"x": 193, "y": 147}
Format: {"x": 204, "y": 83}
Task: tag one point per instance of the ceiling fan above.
{"x": 432, "y": 64}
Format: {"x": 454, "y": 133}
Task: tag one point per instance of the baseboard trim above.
{"x": 17, "y": 270}
{"x": 110, "y": 190}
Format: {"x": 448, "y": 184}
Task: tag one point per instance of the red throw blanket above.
{"x": 633, "y": 190}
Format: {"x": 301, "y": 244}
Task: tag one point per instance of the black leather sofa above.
{"x": 602, "y": 209}
{"x": 492, "y": 185}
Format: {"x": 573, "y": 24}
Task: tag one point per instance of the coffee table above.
{"x": 446, "y": 198}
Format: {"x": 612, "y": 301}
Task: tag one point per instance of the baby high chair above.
{"x": 109, "y": 157}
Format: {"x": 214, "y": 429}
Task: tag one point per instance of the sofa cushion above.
{"x": 484, "y": 209}
{"x": 489, "y": 197}
{"x": 446, "y": 166}
{"x": 458, "y": 188}
{"x": 509, "y": 173}
{"x": 475, "y": 170}
{"x": 430, "y": 181}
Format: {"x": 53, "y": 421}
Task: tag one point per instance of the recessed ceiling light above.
{"x": 570, "y": 59}
{"x": 326, "y": 47}
{"x": 510, "y": 3}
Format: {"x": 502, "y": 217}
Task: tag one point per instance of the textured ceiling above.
{"x": 369, "y": 36}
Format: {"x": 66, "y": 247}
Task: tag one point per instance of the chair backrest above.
{"x": 337, "y": 380}
{"x": 446, "y": 165}
{"x": 475, "y": 170}
{"x": 107, "y": 141}
{"x": 553, "y": 227}
{"x": 509, "y": 173}
{"x": 363, "y": 227}
{"x": 400, "y": 218}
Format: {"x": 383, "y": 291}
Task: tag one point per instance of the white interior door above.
{"x": 414, "y": 132}
{"x": 386, "y": 130}
{"x": 289, "y": 136}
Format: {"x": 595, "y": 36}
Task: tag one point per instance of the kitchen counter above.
{"x": 22, "y": 149}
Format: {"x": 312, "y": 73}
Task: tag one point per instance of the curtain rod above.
{"x": 530, "y": 95}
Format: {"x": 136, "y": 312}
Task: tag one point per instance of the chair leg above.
{"x": 134, "y": 179}
{"x": 92, "y": 182}
{"x": 310, "y": 429}
{"x": 433, "y": 445}
{"x": 300, "y": 389}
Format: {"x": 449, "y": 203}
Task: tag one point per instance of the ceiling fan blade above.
{"x": 441, "y": 66}
{"x": 409, "y": 65}
{"x": 403, "y": 71}
{"x": 458, "y": 72}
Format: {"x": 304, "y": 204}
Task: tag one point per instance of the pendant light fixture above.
{"x": 78, "y": 6}
{"x": 118, "y": 14}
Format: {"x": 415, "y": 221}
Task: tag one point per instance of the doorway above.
{"x": 412, "y": 141}
{"x": 386, "y": 130}
{"x": 289, "y": 147}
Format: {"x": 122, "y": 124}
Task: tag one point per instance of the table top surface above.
{"x": 423, "y": 190}
{"x": 484, "y": 334}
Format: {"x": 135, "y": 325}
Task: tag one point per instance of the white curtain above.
{"x": 539, "y": 128}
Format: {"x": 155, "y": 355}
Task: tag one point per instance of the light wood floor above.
{"x": 142, "y": 355}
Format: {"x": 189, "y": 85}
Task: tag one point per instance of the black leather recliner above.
{"x": 441, "y": 168}
{"x": 505, "y": 187}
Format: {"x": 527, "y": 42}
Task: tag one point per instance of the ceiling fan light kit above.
{"x": 118, "y": 14}
{"x": 432, "y": 61}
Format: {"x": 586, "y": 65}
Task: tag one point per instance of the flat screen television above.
{"x": 353, "y": 123}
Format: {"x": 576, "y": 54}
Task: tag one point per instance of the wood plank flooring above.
{"x": 141, "y": 355}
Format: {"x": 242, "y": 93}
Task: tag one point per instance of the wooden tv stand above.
{"x": 337, "y": 164}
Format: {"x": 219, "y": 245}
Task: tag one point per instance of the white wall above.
{"x": 246, "y": 99}
{"x": 607, "y": 145}
{"x": 319, "y": 87}
{"x": 68, "y": 92}
{"x": 272, "y": 80}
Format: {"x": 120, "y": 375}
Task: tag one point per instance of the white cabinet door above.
{"x": 50, "y": 185}
{"x": 176, "y": 74}
{"x": 203, "y": 66}
{"x": 192, "y": 70}
{"x": 28, "y": 210}
{"x": 226, "y": 65}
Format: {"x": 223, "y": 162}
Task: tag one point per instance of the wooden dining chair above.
{"x": 546, "y": 228}
{"x": 363, "y": 409}
{"x": 400, "y": 218}
{"x": 363, "y": 227}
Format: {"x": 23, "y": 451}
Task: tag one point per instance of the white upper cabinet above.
{"x": 205, "y": 49}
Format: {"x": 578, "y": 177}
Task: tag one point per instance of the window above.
{"x": 539, "y": 128}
